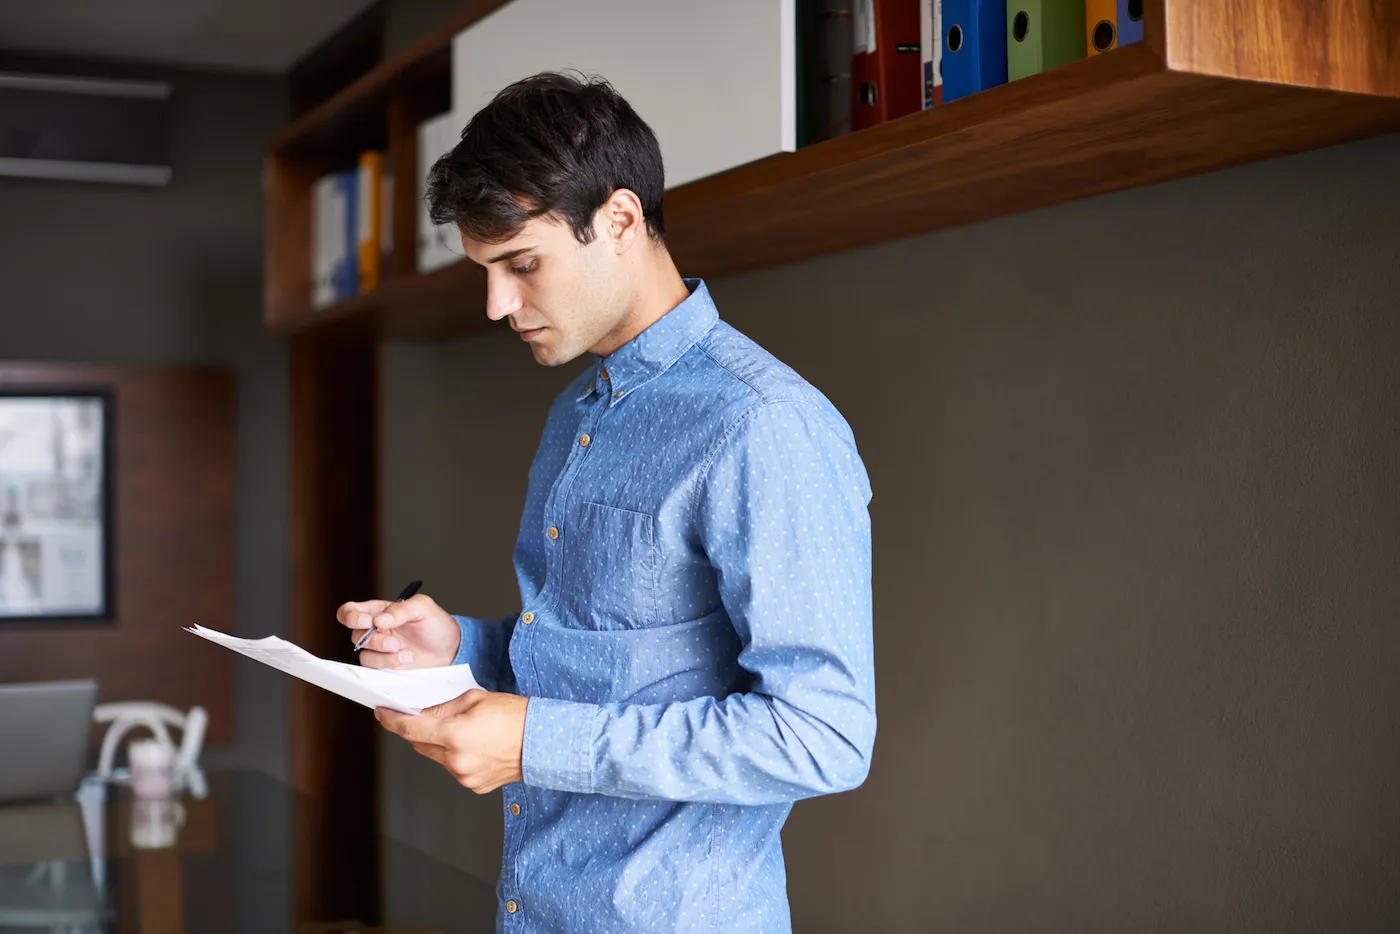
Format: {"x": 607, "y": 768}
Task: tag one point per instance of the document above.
{"x": 408, "y": 691}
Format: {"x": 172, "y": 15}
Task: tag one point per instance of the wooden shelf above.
{"x": 1259, "y": 82}
{"x": 425, "y": 63}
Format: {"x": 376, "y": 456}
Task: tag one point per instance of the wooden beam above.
{"x": 333, "y": 762}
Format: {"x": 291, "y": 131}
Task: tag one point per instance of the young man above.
{"x": 693, "y": 652}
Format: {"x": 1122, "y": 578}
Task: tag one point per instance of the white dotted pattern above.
{"x": 700, "y": 653}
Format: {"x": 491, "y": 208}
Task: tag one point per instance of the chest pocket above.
{"x": 610, "y": 569}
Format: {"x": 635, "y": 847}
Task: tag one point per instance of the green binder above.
{"x": 1042, "y": 34}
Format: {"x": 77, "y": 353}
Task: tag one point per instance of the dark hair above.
{"x": 553, "y": 143}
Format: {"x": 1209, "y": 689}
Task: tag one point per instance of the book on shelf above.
{"x": 333, "y": 255}
{"x": 931, "y": 51}
{"x": 974, "y": 46}
{"x": 885, "y": 71}
{"x": 351, "y": 230}
{"x": 369, "y": 226}
{"x": 1043, "y": 34}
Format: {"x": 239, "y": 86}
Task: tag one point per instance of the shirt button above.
{"x": 553, "y": 533}
{"x": 527, "y": 617}
{"x": 512, "y": 907}
{"x": 619, "y": 394}
{"x": 584, "y": 441}
{"x": 515, "y": 809}
{"x": 604, "y": 373}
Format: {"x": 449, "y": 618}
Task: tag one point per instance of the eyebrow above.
{"x": 508, "y": 255}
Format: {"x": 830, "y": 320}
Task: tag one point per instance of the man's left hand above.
{"x": 477, "y": 737}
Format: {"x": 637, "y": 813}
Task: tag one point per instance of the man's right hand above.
{"x": 416, "y": 633}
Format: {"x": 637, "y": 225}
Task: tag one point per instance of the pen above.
{"x": 407, "y": 592}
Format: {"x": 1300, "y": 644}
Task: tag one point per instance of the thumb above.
{"x": 457, "y": 705}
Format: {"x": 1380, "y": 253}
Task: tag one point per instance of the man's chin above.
{"x": 546, "y": 355}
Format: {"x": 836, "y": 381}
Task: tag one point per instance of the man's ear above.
{"x": 622, "y": 219}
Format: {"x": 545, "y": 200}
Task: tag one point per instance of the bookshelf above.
{"x": 1216, "y": 83}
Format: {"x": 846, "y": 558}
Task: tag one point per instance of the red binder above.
{"x": 885, "y": 78}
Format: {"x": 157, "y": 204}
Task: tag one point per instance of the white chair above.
{"x": 125, "y": 716}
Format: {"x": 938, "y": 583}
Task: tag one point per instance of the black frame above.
{"x": 108, "y": 614}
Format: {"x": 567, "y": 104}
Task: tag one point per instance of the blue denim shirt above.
{"x": 695, "y": 636}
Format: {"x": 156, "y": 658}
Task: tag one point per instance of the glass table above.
{"x": 216, "y": 865}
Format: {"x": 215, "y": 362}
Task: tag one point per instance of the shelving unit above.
{"x": 1215, "y": 84}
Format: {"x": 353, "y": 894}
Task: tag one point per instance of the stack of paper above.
{"x": 408, "y": 691}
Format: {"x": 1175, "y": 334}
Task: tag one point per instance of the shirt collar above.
{"x": 656, "y": 349}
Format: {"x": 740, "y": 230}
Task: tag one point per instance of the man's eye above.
{"x": 522, "y": 270}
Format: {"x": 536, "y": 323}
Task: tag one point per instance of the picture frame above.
{"x": 57, "y": 533}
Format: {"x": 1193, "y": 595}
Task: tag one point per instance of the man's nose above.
{"x": 501, "y": 299}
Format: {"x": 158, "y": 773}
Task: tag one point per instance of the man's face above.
{"x": 563, "y": 297}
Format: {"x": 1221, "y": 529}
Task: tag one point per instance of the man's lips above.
{"x": 528, "y": 333}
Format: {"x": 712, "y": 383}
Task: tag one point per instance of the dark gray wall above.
{"x": 1136, "y": 576}
{"x": 106, "y": 273}
{"x": 406, "y": 20}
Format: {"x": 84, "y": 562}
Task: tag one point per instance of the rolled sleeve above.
{"x": 485, "y": 646}
{"x": 558, "y": 746}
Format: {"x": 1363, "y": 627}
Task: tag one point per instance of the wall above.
{"x": 105, "y": 273}
{"x": 1136, "y": 580}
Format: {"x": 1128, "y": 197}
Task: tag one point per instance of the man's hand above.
{"x": 416, "y": 633}
{"x": 477, "y": 737}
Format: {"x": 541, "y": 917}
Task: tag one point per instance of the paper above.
{"x": 405, "y": 691}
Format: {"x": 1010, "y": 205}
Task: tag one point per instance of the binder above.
{"x": 344, "y": 278}
{"x": 931, "y": 58}
{"x": 1042, "y": 34}
{"x": 370, "y": 179}
{"x": 1129, "y": 21}
{"x": 323, "y": 241}
{"x": 974, "y": 46}
{"x": 885, "y": 64}
{"x": 1100, "y": 25}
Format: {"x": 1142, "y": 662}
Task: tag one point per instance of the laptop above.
{"x": 44, "y": 731}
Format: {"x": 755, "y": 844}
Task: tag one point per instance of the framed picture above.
{"x": 55, "y": 506}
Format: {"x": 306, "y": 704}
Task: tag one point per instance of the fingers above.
{"x": 374, "y": 659}
{"x": 459, "y": 704}
{"x": 389, "y": 643}
{"x": 394, "y": 615}
{"x": 426, "y": 730}
{"x": 357, "y": 615}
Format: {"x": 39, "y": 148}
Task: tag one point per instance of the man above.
{"x": 693, "y": 652}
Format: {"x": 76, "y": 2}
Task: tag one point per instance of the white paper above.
{"x": 863, "y": 27}
{"x": 408, "y": 691}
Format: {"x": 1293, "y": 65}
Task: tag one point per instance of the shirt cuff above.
{"x": 558, "y": 748}
{"x": 465, "y": 645}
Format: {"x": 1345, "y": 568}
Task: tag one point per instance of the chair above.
{"x": 125, "y": 716}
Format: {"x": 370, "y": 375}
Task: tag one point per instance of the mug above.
{"x": 152, "y": 768}
{"x": 156, "y": 822}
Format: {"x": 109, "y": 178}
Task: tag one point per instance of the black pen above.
{"x": 408, "y": 591}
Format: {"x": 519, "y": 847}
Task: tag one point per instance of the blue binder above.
{"x": 974, "y": 46}
{"x": 1129, "y": 29}
{"x": 346, "y": 274}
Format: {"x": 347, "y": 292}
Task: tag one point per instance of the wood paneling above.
{"x": 1342, "y": 45}
{"x": 173, "y": 512}
{"x": 334, "y": 380}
